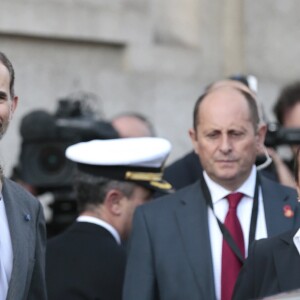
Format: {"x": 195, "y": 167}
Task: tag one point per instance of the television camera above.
{"x": 277, "y": 135}
{"x": 42, "y": 161}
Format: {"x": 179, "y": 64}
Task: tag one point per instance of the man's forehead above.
{"x": 225, "y": 96}
{"x": 224, "y": 107}
{"x": 226, "y": 121}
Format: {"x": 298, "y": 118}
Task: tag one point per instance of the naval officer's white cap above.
{"x": 140, "y": 160}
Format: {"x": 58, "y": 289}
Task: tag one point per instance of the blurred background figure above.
{"x": 287, "y": 112}
{"x": 43, "y": 168}
{"x": 287, "y": 130}
{"x": 273, "y": 264}
{"x": 87, "y": 260}
{"x": 133, "y": 124}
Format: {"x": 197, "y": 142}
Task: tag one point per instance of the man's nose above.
{"x": 225, "y": 144}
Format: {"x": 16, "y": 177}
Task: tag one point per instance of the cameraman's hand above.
{"x": 46, "y": 200}
{"x": 284, "y": 174}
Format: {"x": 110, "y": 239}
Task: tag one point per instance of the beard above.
{"x": 3, "y": 126}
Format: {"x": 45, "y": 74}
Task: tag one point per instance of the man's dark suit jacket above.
{"x": 273, "y": 266}
{"x": 170, "y": 253}
{"x": 183, "y": 171}
{"x": 84, "y": 262}
{"x": 28, "y": 235}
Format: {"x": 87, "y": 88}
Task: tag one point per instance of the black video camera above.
{"x": 277, "y": 135}
{"x": 45, "y": 138}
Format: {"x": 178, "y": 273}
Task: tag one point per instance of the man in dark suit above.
{"x": 272, "y": 267}
{"x": 273, "y": 264}
{"x": 23, "y": 235}
{"x": 184, "y": 171}
{"x": 177, "y": 249}
{"x": 87, "y": 261}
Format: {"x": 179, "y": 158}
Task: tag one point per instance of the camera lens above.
{"x": 52, "y": 159}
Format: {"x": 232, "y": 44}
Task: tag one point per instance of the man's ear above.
{"x": 193, "y": 136}
{"x": 261, "y": 135}
{"x": 113, "y": 201}
{"x": 14, "y": 104}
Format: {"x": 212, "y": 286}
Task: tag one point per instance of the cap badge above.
{"x": 144, "y": 176}
{"x": 161, "y": 185}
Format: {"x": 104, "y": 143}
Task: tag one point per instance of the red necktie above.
{"x": 231, "y": 265}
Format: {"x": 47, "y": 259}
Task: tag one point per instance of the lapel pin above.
{"x": 287, "y": 211}
{"x": 27, "y": 217}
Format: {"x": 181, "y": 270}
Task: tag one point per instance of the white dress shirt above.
{"x": 297, "y": 240}
{"x": 6, "y": 252}
{"x": 244, "y": 211}
{"x": 103, "y": 224}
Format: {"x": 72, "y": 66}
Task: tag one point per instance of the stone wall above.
{"x": 154, "y": 57}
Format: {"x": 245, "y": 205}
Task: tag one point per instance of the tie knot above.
{"x": 234, "y": 199}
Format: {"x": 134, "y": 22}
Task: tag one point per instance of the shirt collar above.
{"x": 218, "y": 192}
{"x": 296, "y": 240}
{"x": 103, "y": 224}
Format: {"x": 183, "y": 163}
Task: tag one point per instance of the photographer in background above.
{"x": 42, "y": 167}
{"x": 273, "y": 264}
{"x": 287, "y": 112}
{"x": 285, "y": 132}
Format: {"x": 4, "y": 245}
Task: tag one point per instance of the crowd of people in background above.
{"x": 222, "y": 222}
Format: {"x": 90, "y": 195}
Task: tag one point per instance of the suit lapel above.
{"x": 19, "y": 233}
{"x": 274, "y": 199}
{"x": 191, "y": 215}
{"x": 287, "y": 263}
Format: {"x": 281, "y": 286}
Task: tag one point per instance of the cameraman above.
{"x": 287, "y": 112}
{"x": 42, "y": 168}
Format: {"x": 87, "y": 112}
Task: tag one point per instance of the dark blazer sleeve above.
{"x": 258, "y": 276}
{"x": 272, "y": 267}
{"x": 244, "y": 288}
{"x": 184, "y": 171}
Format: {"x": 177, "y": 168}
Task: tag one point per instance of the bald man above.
{"x": 177, "y": 249}
{"x": 133, "y": 125}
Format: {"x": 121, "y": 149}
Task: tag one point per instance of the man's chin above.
{"x": 227, "y": 170}
{"x": 228, "y": 175}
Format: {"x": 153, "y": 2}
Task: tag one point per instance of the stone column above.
{"x": 233, "y": 35}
